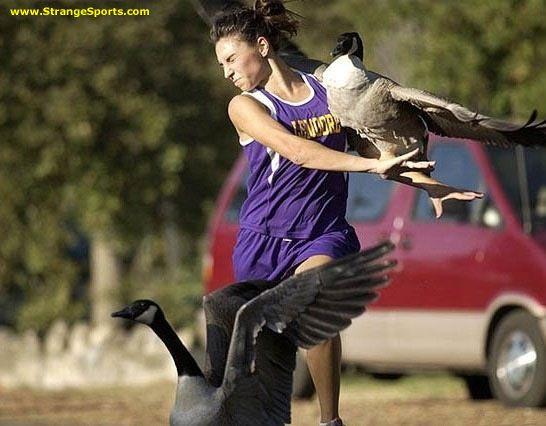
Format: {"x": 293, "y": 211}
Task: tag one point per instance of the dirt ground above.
{"x": 418, "y": 400}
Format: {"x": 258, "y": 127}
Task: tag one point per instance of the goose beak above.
{"x": 124, "y": 313}
{"x": 336, "y": 51}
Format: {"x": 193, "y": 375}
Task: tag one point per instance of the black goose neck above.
{"x": 184, "y": 361}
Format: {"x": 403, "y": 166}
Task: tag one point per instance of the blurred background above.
{"x": 114, "y": 143}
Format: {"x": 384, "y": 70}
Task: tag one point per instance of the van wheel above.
{"x": 302, "y": 385}
{"x": 517, "y": 362}
{"x": 478, "y": 387}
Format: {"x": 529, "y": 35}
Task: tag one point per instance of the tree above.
{"x": 106, "y": 125}
{"x": 488, "y": 55}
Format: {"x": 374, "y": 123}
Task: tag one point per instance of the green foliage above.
{"x": 102, "y": 123}
{"x": 177, "y": 288}
{"x": 488, "y": 55}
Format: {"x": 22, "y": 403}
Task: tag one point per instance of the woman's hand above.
{"x": 400, "y": 164}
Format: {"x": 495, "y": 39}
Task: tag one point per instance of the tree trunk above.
{"x": 105, "y": 281}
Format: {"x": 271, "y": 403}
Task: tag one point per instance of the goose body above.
{"x": 371, "y": 113}
{"x": 362, "y": 101}
{"x": 397, "y": 119}
{"x": 253, "y": 331}
{"x": 199, "y": 407}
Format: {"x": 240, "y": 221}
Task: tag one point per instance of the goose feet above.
{"x": 451, "y": 193}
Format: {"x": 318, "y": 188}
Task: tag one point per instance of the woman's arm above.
{"x": 250, "y": 118}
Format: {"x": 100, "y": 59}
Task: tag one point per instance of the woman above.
{"x": 294, "y": 216}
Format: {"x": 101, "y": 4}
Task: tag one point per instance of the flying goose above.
{"x": 248, "y": 378}
{"x": 391, "y": 119}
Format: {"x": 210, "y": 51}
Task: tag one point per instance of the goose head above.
{"x": 349, "y": 44}
{"x": 143, "y": 311}
{"x": 346, "y": 70}
{"x": 149, "y": 313}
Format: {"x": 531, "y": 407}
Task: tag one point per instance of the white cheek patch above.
{"x": 147, "y": 316}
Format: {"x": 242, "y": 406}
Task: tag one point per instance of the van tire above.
{"x": 518, "y": 335}
{"x": 302, "y": 385}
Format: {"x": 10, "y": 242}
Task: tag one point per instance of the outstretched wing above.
{"x": 343, "y": 294}
{"x": 319, "y": 303}
{"x": 450, "y": 119}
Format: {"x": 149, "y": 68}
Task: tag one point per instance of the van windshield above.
{"x": 523, "y": 176}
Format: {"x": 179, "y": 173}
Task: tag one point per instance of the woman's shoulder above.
{"x": 245, "y": 100}
{"x": 242, "y": 106}
{"x": 251, "y": 99}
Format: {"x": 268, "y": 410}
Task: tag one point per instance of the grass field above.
{"x": 417, "y": 400}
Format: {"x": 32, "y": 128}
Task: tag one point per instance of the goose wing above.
{"x": 341, "y": 292}
{"x": 314, "y": 305}
{"x": 361, "y": 144}
{"x": 450, "y": 119}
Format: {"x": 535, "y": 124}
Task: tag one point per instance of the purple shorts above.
{"x": 257, "y": 256}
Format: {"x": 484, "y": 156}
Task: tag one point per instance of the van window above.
{"x": 368, "y": 197}
{"x": 456, "y": 167}
{"x": 234, "y": 208}
{"x": 535, "y": 166}
{"x": 508, "y": 166}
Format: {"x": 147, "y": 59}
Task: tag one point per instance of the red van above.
{"x": 469, "y": 292}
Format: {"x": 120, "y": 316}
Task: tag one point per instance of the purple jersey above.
{"x": 284, "y": 199}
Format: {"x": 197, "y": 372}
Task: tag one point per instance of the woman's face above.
{"x": 243, "y": 63}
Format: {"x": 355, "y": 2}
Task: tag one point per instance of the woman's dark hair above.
{"x": 268, "y": 18}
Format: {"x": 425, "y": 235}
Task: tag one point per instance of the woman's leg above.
{"x": 324, "y": 360}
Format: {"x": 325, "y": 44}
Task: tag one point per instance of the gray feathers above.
{"x": 447, "y": 118}
{"x": 396, "y": 119}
